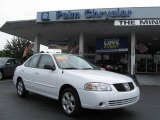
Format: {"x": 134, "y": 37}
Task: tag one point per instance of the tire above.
{"x": 21, "y": 90}
{"x": 70, "y": 102}
{"x": 1, "y": 75}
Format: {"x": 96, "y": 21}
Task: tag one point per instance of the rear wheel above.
{"x": 21, "y": 90}
{"x": 1, "y": 75}
{"x": 70, "y": 102}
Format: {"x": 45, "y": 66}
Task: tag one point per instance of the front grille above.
{"x": 120, "y": 87}
{"x": 122, "y": 102}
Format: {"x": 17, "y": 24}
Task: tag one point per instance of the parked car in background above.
{"x": 75, "y": 82}
{"x": 8, "y": 66}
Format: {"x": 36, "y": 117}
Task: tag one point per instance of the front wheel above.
{"x": 70, "y": 102}
{"x": 21, "y": 91}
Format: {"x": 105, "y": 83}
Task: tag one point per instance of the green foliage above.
{"x": 15, "y": 48}
{"x": 2, "y": 53}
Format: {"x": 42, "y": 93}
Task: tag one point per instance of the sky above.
{"x": 13, "y": 10}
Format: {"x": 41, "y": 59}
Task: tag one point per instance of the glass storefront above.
{"x": 116, "y": 62}
{"x": 147, "y": 55}
{"x": 114, "y": 54}
{"x": 147, "y": 63}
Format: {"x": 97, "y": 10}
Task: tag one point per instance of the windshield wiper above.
{"x": 70, "y": 68}
{"x": 90, "y": 69}
{"x": 87, "y": 69}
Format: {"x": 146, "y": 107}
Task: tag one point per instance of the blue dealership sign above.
{"x": 112, "y": 44}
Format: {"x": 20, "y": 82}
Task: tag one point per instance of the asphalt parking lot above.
{"x": 36, "y": 107}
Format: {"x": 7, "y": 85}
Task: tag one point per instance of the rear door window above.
{"x": 27, "y": 63}
{"x": 33, "y": 62}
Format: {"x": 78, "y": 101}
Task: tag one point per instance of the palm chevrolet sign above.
{"x": 137, "y": 22}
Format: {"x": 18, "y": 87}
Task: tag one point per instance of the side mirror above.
{"x": 49, "y": 67}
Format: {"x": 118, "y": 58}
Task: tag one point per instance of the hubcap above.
{"x": 1, "y": 75}
{"x": 68, "y": 102}
{"x": 20, "y": 88}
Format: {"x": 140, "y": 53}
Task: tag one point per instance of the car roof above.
{"x": 6, "y": 58}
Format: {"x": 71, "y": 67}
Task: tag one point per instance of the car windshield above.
{"x": 68, "y": 61}
{"x": 2, "y": 61}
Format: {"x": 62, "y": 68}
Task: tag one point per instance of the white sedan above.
{"x": 75, "y": 82}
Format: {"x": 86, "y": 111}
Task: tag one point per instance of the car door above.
{"x": 46, "y": 79}
{"x": 15, "y": 63}
{"x": 29, "y": 73}
{"x": 10, "y": 67}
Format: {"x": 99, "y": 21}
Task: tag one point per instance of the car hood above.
{"x": 99, "y": 76}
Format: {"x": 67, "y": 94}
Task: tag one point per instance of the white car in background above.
{"x": 75, "y": 82}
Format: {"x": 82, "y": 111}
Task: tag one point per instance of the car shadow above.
{"x": 114, "y": 114}
{"x": 9, "y": 78}
{"x": 52, "y": 106}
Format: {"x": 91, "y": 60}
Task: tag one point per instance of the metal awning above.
{"x": 28, "y": 29}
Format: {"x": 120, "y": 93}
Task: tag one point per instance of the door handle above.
{"x": 22, "y": 70}
{"x": 37, "y": 73}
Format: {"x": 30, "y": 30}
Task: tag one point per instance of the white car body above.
{"x": 49, "y": 83}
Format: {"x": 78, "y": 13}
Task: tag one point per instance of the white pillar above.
{"x": 81, "y": 44}
{"x": 133, "y": 43}
{"x": 37, "y": 43}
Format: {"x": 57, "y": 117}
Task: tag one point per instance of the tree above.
{"x": 2, "y": 53}
{"x": 15, "y": 48}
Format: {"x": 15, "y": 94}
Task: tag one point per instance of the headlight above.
{"x": 97, "y": 87}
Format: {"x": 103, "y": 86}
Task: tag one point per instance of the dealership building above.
{"x": 125, "y": 40}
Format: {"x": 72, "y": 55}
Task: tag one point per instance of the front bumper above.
{"x": 108, "y": 99}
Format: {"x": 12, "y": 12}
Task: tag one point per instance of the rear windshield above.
{"x": 2, "y": 60}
